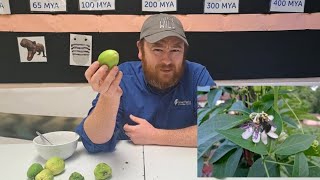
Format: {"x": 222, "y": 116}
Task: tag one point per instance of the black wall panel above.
{"x": 183, "y": 7}
{"x": 227, "y": 55}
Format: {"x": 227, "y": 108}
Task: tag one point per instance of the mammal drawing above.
{"x": 32, "y": 47}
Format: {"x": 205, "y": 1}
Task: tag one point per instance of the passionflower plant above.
{"x": 259, "y": 127}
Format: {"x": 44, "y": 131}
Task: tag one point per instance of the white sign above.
{"x": 4, "y": 7}
{"x": 96, "y": 5}
{"x": 48, "y": 5}
{"x": 80, "y": 50}
{"x": 32, "y": 49}
{"x": 287, "y": 5}
{"x": 159, "y": 5}
{"x": 221, "y": 6}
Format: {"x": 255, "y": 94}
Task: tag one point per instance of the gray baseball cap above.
{"x": 159, "y": 26}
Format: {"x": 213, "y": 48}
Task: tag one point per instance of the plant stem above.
{"x": 278, "y": 163}
{"x": 284, "y": 170}
{"x": 293, "y": 114}
{"x": 263, "y": 90}
{"x": 265, "y": 166}
{"x": 314, "y": 163}
{"x": 276, "y": 97}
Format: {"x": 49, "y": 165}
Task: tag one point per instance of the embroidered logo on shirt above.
{"x": 178, "y": 102}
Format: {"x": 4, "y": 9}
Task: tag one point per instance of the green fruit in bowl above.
{"x": 109, "y": 57}
{"x": 33, "y": 170}
{"x": 55, "y": 165}
{"x": 76, "y": 176}
{"x": 45, "y": 174}
{"x": 102, "y": 171}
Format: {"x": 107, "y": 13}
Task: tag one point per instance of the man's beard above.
{"x": 153, "y": 77}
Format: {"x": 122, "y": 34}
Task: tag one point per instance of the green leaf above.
{"x": 210, "y": 112}
{"x": 220, "y": 166}
{"x": 227, "y": 121}
{"x": 239, "y": 107}
{"x": 207, "y": 136}
{"x": 214, "y": 96}
{"x": 314, "y": 171}
{"x": 267, "y": 97}
{"x": 233, "y": 162}
{"x": 260, "y": 106}
{"x": 227, "y": 166}
{"x": 294, "y": 144}
{"x": 288, "y": 169}
{"x": 291, "y": 122}
{"x": 223, "y": 149}
{"x": 203, "y": 115}
{"x": 241, "y": 172}
{"x": 221, "y": 108}
{"x": 235, "y": 135}
{"x": 300, "y": 167}
{"x": 205, "y": 146}
{"x": 258, "y": 170}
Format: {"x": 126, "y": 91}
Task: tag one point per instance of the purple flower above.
{"x": 259, "y": 127}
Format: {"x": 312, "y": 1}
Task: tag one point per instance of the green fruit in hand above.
{"x": 33, "y": 170}
{"x": 55, "y": 165}
{"x": 102, "y": 171}
{"x": 76, "y": 176}
{"x": 109, "y": 57}
{"x": 45, "y": 174}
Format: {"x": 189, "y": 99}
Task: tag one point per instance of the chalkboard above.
{"x": 227, "y": 55}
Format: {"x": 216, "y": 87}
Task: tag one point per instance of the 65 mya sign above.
{"x": 48, "y": 5}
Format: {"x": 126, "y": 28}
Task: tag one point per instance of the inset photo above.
{"x": 32, "y": 49}
{"x": 80, "y": 50}
{"x": 259, "y": 131}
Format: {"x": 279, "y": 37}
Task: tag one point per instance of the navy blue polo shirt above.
{"x": 172, "y": 109}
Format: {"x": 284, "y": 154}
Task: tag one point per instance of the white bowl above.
{"x": 64, "y": 144}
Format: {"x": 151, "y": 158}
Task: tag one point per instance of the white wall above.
{"x": 51, "y": 101}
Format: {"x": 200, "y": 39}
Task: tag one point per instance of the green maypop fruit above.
{"x": 76, "y": 176}
{"x": 102, "y": 171}
{"x": 33, "y": 170}
{"x": 55, "y": 165}
{"x": 45, "y": 174}
{"x": 109, "y": 57}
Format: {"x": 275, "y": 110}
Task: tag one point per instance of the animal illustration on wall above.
{"x": 80, "y": 49}
{"x": 32, "y": 47}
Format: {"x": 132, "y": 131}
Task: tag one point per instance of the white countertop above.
{"x": 166, "y": 163}
{"x": 128, "y": 161}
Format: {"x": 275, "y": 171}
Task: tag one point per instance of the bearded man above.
{"x": 151, "y": 101}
